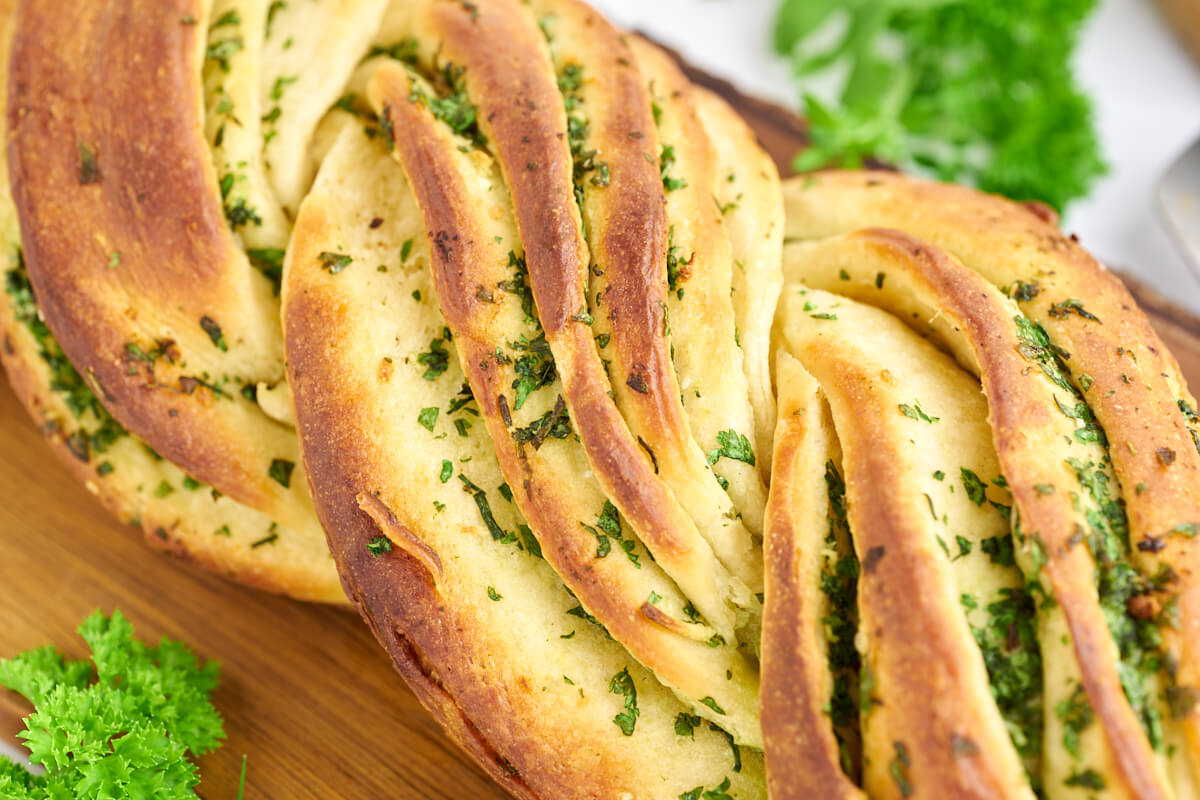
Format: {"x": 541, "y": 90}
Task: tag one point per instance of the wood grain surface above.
{"x": 307, "y": 694}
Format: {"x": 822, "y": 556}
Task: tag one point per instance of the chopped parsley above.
{"x": 101, "y": 431}
{"x": 215, "y": 335}
{"x": 554, "y": 424}
{"x": 270, "y": 263}
{"x": 535, "y": 367}
{"x": 333, "y": 263}
{"x": 731, "y": 444}
{"x": 437, "y": 359}
{"x": 379, "y": 545}
{"x": 607, "y": 528}
{"x": 1076, "y": 715}
{"x": 915, "y": 412}
{"x": 622, "y": 684}
{"x": 719, "y": 792}
{"x": 1013, "y": 659}
{"x": 685, "y": 724}
{"x": 666, "y": 162}
{"x": 999, "y": 550}
{"x": 1067, "y": 307}
{"x": 427, "y": 419}
{"x": 898, "y": 769}
{"x": 89, "y": 171}
{"x": 281, "y": 472}
{"x": 975, "y": 487}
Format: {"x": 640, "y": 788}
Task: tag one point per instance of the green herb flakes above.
{"x": 622, "y": 684}
{"x": 379, "y": 545}
{"x": 281, "y": 472}
{"x": 731, "y": 444}
{"x": 333, "y": 263}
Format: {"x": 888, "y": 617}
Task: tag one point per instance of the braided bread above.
{"x": 486, "y": 301}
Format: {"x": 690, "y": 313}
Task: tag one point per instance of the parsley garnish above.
{"x": 379, "y": 545}
{"x": 101, "y": 431}
{"x": 334, "y": 263}
{"x": 281, "y": 471}
{"x": 915, "y": 412}
{"x": 404, "y": 50}
{"x": 608, "y": 527}
{"x": 999, "y": 550}
{"x": 976, "y": 488}
{"x": 1067, "y": 307}
{"x": 123, "y": 725}
{"x": 898, "y": 768}
{"x": 1088, "y": 779}
{"x": 678, "y": 269}
{"x": 427, "y": 418}
{"x": 981, "y": 93}
{"x": 89, "y": 171}
{"x": 534, "y": 369}
{"x": 223, "y": 50}
{"x": 731, "y": 444}
{"x": 554, "y": 424}
{"x": 666, "y": 161}
{"x": 1013, "y": 659}
{"x": 685, "y": 724}
{"x": 622, "y": 684}
{"x": 213, "y": 330}
{"x": 436, "y": 360}
{"x": 270, "y": 263}
{"x": 720, "y": 792}
{"x": 1076, "y": 715}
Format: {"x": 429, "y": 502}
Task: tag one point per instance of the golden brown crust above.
{"x": 801, "y": 752}
{"x": 462, "y": 259}
{"x": 174, "y": 533}
{"x": 154, "y": 200}
{"x": 750, "y": 201}
{"x": 1023, "y": 430}
{"x": 513, "y": 83}
{"x": 931, "y": 726}
{"x": 515, "y": 675}
{"x": 124, "y": 477}
{"x": 396, "y": 594}
{"x": 702, "y": 333}
{"x": 1133, "y": 384}
{"x": 1026, "y": 426}
{"x": 911, "y": 634}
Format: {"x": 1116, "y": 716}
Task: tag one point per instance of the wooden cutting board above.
{"x": 307, "y": 694}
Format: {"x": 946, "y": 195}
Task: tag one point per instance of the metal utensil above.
{"x": 1179, "y": 203}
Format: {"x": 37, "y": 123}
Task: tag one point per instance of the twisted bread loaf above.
{"x": 534, "y": 330}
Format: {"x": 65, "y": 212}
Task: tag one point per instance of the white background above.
{"x": 1147, "y": 94}
{"x": 1148, "y": 107}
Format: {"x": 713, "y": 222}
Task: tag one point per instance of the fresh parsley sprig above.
{"x": 120, "y": 726}
{"x": 967, "y": 90}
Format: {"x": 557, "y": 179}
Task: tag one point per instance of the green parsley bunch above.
{"x": 975, "y": 91}
{"x": 119, "y": 726}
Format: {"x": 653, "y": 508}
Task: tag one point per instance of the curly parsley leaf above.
{"x": 980, "y": 93}
{"x": 122, "y": 725}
